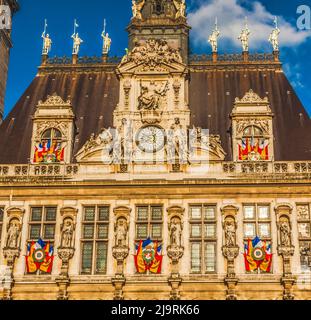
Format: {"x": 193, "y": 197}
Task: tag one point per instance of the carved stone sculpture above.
{"x": 121, "y": 231}
{"x": 137, "y": 8}
{"x": 67, "y": 234}
{"x": 244, "y": 38}
{"x": 12, "y": 240}
{"x": 230, "y": 233}
{"x": 180, "y": 6}
{"x": 150, "y": 97}
{"x": 152, "y": 53}
{"x": 285, "y": 233}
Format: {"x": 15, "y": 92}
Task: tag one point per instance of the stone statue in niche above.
{"x": 176, "y": 228}
{"x": 67, "y": 234}
{"x": 230, "y": 233}
{"x": 285, "y": 233}
{"x": 13, "y": 234}
{"x": 121, "y": 232}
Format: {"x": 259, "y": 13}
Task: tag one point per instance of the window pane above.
{"x": 196, "y": 257}
{"x": 1, "y": 214}
{"x": 196, "y": 213}
{"x": 264, "y": 212}
{"x": 304, "y": 230}
{"x": 209, "y": 213}
{"x": 249, "y": 230}
{"x": 56, "y": 134}
{"x": 156, "y": 213}
{"x": 264, "y": 230}
{"x": 50, "y": 214}
{"x": 103, "y": 214}
{"x": 49, "y": 231}
{"x": 305, "y": 248}
{"x": 196, "y": 230}
{"x": 142, "y": 231}
{"x": 101, "y": 257}
{"x": 142, "y": 214}
{"x": 88, "y": 231}
{"x": 47, "y": 134}
{"x": 210, "y": 230}
{"x": 102, "y": 231}
{"x": 303, "y": 212}
{"x": 156, "y": 231}
{"x": 36, "y": 214}
{"x": 249, "y": 212}
{"x": 35, "y": 231}
{"x": 89, "y": 214}
{"x": 87, "y": 253}
{"x": 210, "y": 259}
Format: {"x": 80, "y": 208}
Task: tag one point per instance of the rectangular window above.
{"x": 257, "y": 222}
{"x": 149, "y": 222}
{"x": 203, "y": 238}
{"x": 304, "y": 234}
{"x": 42, "y": 223}
{"x": 1, "y": 221}
{"x": 95, "y": 234}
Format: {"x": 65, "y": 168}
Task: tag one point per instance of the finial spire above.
{"x": 77, "y": 41}
{"x": 106, "y": 40}
{"x": 244, "y": 36}
{"x": 274, "y": 36}
{"x": 47, "y": 42}
{"x": 213, "y": 39}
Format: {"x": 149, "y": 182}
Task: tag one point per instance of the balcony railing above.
{"x": 57, "y": 170}
{"x": 221, "y": 170}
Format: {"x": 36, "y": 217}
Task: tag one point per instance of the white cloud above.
{"x": 231, "y": 15}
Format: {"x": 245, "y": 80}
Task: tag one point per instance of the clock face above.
{"x": 151, "y": 139}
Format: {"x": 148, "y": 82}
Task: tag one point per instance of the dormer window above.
{"x": 50, "y": 149}
{"x": 158, "y": 7}
{"x": 253, "y": 145}
{"x": 252, "y": 128}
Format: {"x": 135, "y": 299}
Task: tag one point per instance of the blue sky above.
{"x": 29, "y": 22}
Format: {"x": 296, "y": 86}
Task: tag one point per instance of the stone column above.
{"x": 230, "y": 249}
{"x": 66, "y": 250}
{"x": 175, "y": 250}
{"x": 121, "y": 249}
{"x": 11, "y": 251}
{"x": 285, "y": 248}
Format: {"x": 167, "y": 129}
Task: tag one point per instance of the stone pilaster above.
{"x": 121, "y": 249}
{"x": 285, "y": 248}
{"x": 175, "y": 250}
{"x": 66, "y": 250}
{"x": 11, "y": 251}
{"x": 230, "y": 249}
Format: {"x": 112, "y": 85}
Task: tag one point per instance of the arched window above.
{"x": 254, "y": 146}
{"x": 50, "y": 149}
{"x": 52, "y": 134}
{"x": 158, "y": 7}
{"x": 252, "y": 131}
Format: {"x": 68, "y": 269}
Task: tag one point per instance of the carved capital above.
{"x": 10, "y": 255}
{"x": 175, "y": 253}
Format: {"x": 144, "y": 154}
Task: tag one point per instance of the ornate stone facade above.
{"x": 155, "y": 172}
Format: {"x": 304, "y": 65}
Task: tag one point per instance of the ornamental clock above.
{"x": 151, "y": 139}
